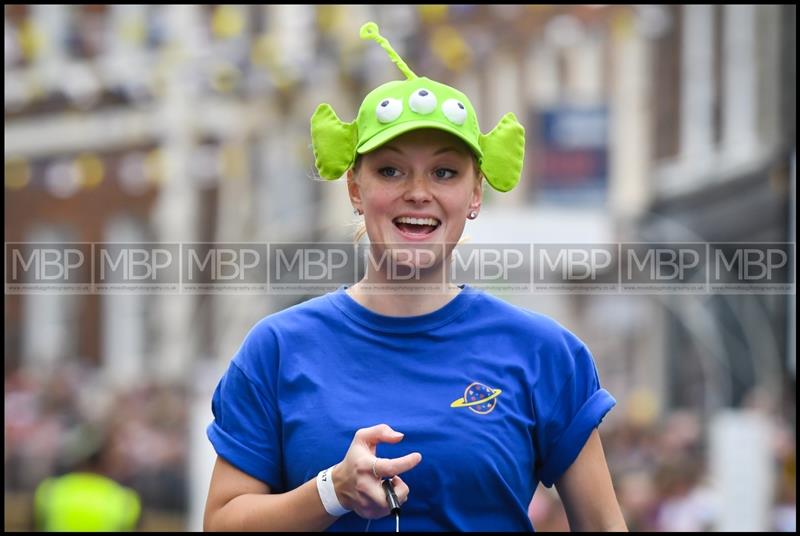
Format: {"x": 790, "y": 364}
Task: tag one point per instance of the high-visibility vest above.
{"x": 85, "y": 502}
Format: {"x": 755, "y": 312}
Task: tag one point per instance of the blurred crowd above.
{"x": 662, "y": 479}
{"x": 659, "y": 466}
{"x": 52, "y": 425}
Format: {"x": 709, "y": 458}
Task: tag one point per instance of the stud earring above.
{"x": 473, "y": 214}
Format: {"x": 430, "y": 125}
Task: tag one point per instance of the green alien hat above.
{"x": 400, "y": 106}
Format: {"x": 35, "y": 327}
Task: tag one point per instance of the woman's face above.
{"x": 416, "y": 191}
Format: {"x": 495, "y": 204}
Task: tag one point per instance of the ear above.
{"x": 353, "y": 190}
{"x": 503, "y": 153}
{"x": 477, "y": 194}
{"x": 333, "y": 141}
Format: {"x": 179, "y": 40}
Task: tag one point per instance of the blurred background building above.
{"x": 190, "y": 123}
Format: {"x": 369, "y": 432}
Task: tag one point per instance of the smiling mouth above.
{"x": 416, "y": 226}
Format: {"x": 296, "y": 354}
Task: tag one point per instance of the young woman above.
{"x": 464, "y": 402}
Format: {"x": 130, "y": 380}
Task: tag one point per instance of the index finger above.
{"x": 388, "y": 467}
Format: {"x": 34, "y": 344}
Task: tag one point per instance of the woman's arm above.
{"x": 238, "y": 502}
{"x": 587, "y": 492}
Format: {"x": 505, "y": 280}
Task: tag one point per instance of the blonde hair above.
{"x": 361, "y": 230}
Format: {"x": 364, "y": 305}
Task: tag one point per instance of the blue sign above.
{"x": 571, "y": 161}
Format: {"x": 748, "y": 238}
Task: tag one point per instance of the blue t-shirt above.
{"x": 495, "y": 398}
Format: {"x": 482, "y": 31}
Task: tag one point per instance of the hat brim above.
{"x": 396, "y": 130}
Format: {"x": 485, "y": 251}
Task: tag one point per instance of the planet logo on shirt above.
{"x": 479, "y": 398}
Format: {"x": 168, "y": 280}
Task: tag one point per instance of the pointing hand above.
{"x": 357, "y": 478}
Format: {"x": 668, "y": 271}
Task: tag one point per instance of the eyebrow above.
{"x": 438, "y": 152}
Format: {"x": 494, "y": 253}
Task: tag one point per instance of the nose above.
{"x": 417, "y": 189}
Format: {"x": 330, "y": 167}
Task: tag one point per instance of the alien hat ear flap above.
{"x": 401, "y": 106}
{"x": 334, "y": 142}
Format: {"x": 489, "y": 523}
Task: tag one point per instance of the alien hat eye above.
{"x": 388, "y": 110}
{"x": 422, "y": 101}
{"x": 455, "y": 111}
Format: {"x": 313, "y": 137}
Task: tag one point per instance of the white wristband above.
{"x": 328, "y": 493}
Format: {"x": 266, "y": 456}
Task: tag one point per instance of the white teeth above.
{"x": 418, "y": 221}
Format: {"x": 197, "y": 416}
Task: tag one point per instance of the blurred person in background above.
{"x": 639, "y": 500}
{"x": 547, "y": 512}
{"x": 306, "y": 379}
{"x": 54, "y": 421}
{"x": 784, "y": 447}
{"x": 784, "y": 515}
{"x": 688, "y": 504}
{"x": 86, "y": 499}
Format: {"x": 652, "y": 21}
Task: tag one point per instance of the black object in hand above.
{"x": 391, "y": 498}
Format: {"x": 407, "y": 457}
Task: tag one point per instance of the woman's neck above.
{"x": 425, "y": 294}
{"x": 402, "y": 304}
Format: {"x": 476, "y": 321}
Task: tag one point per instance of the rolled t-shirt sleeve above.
{"x": 575, "y": 409}
{"x": 246, "y": 426}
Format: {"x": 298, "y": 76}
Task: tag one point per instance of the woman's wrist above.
{"x": 338, "y": 483}
{"x": 326, "y": 486}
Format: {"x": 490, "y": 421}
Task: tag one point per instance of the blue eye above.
{"x": 388, "y": 171}
{"x": 440, "y": 173}
{"x": 388, "y": 110}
